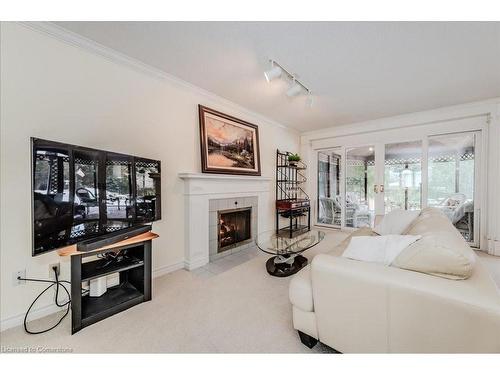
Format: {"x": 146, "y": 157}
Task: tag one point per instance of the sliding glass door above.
{"x": 357, "y": 183}
{"x": 329, "y": 198}
{"x": 452, "y": 181}
{"x": 346, "y": 199}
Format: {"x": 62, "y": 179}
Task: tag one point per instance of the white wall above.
{"x": 58, "y": 91}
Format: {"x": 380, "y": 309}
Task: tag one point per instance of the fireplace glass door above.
{"x": 234, "y": 227}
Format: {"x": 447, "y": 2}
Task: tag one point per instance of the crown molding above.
{"x": 89, "y": 45}
{"x": 442, "y": 114}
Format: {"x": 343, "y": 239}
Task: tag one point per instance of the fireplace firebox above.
{"x": 234, "y": 228}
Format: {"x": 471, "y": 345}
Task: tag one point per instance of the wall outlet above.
{"x": 51, "y": 270}
{"x": 15, "y": 275}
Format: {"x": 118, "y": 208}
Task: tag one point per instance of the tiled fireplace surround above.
{"x": 204, "y": 195}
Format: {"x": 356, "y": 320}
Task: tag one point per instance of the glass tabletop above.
{"x": 273, "y": 244}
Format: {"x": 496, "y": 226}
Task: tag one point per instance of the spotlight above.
{"x": 274, "y": 72}
{"x": 294, "y": 89}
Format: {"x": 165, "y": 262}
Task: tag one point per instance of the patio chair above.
{"x": 460, "y": 211}
{"x": 356, "y": 214}
{"x": 453, "y": 206}
{"x": 326, "y": 210}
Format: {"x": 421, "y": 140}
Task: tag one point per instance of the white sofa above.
{"x": 360, "y": 307}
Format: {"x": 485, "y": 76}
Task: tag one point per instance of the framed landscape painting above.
{"x": 228, "y": 145}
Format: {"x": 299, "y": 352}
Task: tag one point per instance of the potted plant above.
{"x": 293, "y": 159}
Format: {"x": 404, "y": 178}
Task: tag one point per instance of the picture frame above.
{"x": 228, "y": 145}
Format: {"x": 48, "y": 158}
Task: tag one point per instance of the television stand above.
{"x": 134, "y": 285}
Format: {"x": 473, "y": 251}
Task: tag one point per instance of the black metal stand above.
{"x": 291, "y": 200}
{"x": 278, "y": 268}
{"x": 134, "y": 287}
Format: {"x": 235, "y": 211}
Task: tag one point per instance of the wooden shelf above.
{"x": 72, "y": 250}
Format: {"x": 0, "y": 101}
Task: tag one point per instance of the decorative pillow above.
{"x": 429, "y": 221}
{"x": 442, "y": 251}
{"x": 365, "y": 231}
{"x": 396, "y": 222}
{"x": 379, "y": 249}
{"x": 439, "y": 254}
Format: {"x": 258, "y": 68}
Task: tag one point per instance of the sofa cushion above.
{"x": 441, "y": 251}
{"x": 396, "y": 222}
{"x": 378, "y": 249}
{"x": 430, "y": 220}
{"x": 300, "y": 291}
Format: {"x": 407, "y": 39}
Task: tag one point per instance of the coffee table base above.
{"x": 285, "y": 269}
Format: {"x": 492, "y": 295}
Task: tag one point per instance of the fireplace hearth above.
{"x": 234, "y": 228}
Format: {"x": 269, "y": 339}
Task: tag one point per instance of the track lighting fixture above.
{"x": 296, "y": 87}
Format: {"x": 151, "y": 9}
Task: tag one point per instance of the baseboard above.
{"x": 493, "y": 247}
{"x": 160, "y": 271}
{"x": 18, "y": 320}
{"x": 197, "y": 263}
{"x": 43, "y": 311}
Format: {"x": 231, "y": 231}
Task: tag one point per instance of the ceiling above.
{"x": 357, "y": 71}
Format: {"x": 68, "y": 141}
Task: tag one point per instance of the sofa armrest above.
{"x": 367, "y": 307}
{"x": 351, "y": 310}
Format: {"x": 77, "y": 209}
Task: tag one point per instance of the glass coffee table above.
{"x": 287, "y": 259}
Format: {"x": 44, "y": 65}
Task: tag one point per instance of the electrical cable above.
{"x": 57, "y": 283}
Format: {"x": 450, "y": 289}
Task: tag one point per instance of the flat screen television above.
{"x": 80, "y": 193}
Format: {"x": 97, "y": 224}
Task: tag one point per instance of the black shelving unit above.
{"x": 292, "y": 202}
{"x": 134, "y": 286}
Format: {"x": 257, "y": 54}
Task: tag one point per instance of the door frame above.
{"x": 421, "y": 132}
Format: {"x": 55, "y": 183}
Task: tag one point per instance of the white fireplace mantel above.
{"x": 206, "y": 183}
{"x": 214, "y": 176}
{"x": 199, "y": 189}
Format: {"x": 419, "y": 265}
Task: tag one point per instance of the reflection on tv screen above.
{"x": 81, "y": 193}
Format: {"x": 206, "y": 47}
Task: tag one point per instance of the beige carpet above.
{"x": 241, "y": 310}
